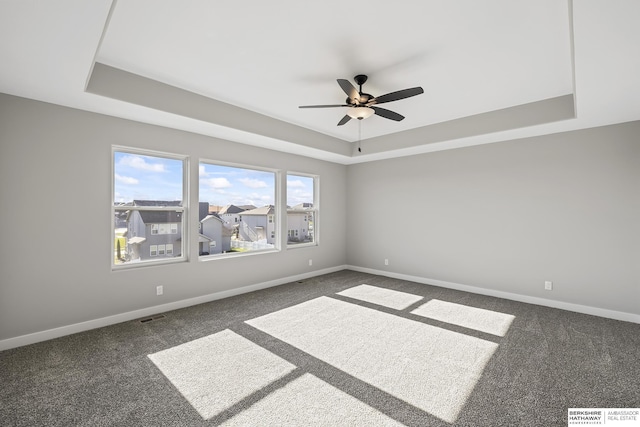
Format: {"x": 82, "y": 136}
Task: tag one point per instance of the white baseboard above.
{"x": 35, "y": 337}
{"x": 584, "y": 309}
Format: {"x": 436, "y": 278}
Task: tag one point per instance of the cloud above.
{"x": 295, "y": 184}
{"x": 217, "y": 183}
{"x": 264, "y": 199}
{"x": 202, "y": 172}
{"x": 253, "y": 183}
{"x": 126, "y": 180}
{"x": 138, "y": 162}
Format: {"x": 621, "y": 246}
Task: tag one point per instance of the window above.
{"x": 249, "y": 199}
{"x": 148, "y": 206}
{"x": 302, "y": 210}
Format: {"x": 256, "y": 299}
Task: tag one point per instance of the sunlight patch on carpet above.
{"x": 431, "y": 368}
{"x": 491, "y": 322}
{"x": 381, "y": 296}
{"x": 217, "y": 371}
{"x": 309, "y": 401}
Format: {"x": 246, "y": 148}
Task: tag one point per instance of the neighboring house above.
{"x": 153, "y": 234}
{"x": 302, "y": 206}
{"x": 203, "y": 243}
{"x": 298, "y": 226}
{"x": 300, "y": 223}
{"x": 120, "y": 219}
{"x": 231, "y": 213}
{"x": 203, "y": 210}
{"x": 258, "y": 224}
{"x": 215, "y": 235}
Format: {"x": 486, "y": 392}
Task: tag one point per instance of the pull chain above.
{"x": 359, "y": 134}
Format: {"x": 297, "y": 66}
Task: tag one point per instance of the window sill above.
{"x": 229, "y": 255}
{"x": 153, "y": 263}
{"x": 301, "y": 245}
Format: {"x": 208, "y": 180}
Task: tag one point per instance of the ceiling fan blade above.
{"x": 387, "y": 114}
{"x": 348, "y": 88}
{"x": 324, "y": 106}
{"x": 394, "y": 96}
{"x": 344, "y": 120}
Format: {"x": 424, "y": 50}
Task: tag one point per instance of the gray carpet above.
{"x": 329, "y": 351}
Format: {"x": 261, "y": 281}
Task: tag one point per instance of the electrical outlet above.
{"x": 159, "y": 290}
{"x": 310, "y": 262}
{"x": 548, "y": 285}
{"x": 386, "y": 261}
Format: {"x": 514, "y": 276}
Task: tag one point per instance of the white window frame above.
{"x": 184, "y": 256}
{"x": 278, "y": 202}
{"x": 315, "y": 211}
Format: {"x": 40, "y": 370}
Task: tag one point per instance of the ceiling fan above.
{"x": 362, "y": 105}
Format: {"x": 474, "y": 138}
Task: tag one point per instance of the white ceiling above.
{"x": 470, "y": 57}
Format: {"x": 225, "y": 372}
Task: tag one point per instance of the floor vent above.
{"x": 152, "y": 318}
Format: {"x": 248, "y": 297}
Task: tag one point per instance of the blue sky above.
{"x": 139, "y": 177}
{"x": 224, "y": 185}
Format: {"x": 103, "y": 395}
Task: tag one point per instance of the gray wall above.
{"x": 55, "y": 164}
{"x": 504, "y": 217}
{"x": 508, "y": 216}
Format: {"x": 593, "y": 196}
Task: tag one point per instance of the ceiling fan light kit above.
{"x": 360, "y": 112}
{"x": 361, "y": 105}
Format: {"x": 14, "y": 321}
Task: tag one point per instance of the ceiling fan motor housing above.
{"x": 364, "y": 98}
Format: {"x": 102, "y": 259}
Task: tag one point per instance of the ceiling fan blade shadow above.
{"x": 387, "y": 114}
{"x": 344, "y": 120}
{"x": 349, "y": 89}
{"x": 324, "y": 106}
{"x": 394, "y": 96}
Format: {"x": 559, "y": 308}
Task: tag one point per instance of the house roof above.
{"x": 157, "y": 202}
{"x": 212, "y": 216}
{"x": 301, "y": 206}
{"x": 231, "y": 209}
{"x": 160, "y": 217}
{"x": 265, "y": 210}
{"x": 203, "y": 239}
